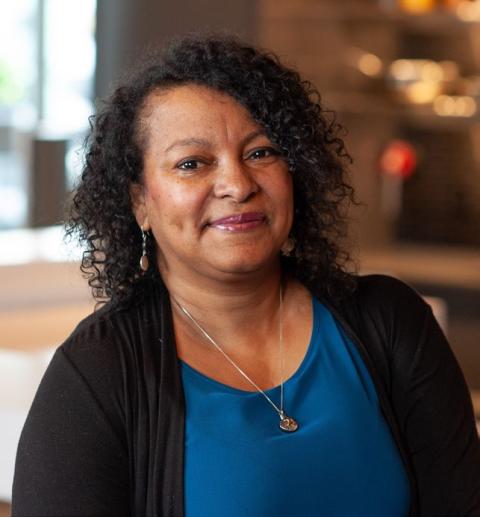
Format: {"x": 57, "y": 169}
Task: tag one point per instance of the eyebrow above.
{"x": 184, "y": 142}
{"x": 253, "y": 135}
{"x": 188, "y": 141}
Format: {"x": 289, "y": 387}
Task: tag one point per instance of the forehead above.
{"x": 190, "y": 93}
{"x": 193, "y": 110}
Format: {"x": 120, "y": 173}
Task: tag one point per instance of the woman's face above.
{"x": 215, "y": 193}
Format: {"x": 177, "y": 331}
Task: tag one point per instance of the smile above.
{"x": 239, "y": 222}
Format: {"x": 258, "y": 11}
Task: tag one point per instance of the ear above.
{"x": 137, "y": 195}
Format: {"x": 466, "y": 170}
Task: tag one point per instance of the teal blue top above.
{"x": 342, "y": 461}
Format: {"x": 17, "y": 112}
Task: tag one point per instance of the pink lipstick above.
{"x": 239, "y": 222}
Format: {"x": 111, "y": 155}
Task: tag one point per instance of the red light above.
{"x": 398, "y": 159}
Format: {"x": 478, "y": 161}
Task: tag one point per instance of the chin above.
{"x": 246, "y": 264}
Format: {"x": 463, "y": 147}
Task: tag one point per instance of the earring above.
{"x": 144, "y": 258}
{"x": 288, "y": 247}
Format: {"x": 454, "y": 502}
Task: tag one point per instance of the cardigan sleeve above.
{"x": 440, "y": 426}
{"x": 432, "y": 403}
{"x": 70, "y": 460}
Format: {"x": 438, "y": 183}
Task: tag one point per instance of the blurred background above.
{"x": 402, "y": 75}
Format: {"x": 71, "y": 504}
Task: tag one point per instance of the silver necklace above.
{"x": 287, "y": 423}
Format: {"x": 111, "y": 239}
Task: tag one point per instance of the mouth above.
{"x": 239, "y": 222}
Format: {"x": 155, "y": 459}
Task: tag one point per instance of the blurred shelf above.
{"x": 436, "y": 265}
{"x": 433, "y": 22}
{"x": 359, "y": 12}
{"x": 357, "y": 103}
{"x": 42, "y": 284}
{"x": 48, "y": 326}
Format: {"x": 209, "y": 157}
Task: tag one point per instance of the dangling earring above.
{"x": 144, "y": 258}
{"x": 288, "y": 247}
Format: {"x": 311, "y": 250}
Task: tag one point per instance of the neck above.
{"x": 243, "y": 311}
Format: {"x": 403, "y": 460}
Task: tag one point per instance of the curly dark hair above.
{"x": 290, "y": 110}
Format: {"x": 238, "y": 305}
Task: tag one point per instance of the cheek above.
{"x": 286, "y": 197}
{"x": 284, "y": 192}
{"x": 174, "y": 205}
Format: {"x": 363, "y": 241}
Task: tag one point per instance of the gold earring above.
{"x": 288, "y": 247}
{"x": 144, "y": 264}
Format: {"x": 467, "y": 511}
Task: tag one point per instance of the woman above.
{"x": 237, "y": 368}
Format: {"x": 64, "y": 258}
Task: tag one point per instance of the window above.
{"x": 47, "y": 62}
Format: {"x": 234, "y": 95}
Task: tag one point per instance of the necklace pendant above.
{"x": 288, "y": 424}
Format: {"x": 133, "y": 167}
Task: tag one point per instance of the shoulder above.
{"x": 114, "y": 348}
{"x": 120, "y": 340}
{"x": 386, "y": 291}
{"x": 388, "y": 304}
{"x": 393, "y": 323}
{"x": 115, "y": 327}
{"x": 425, "y": 389}
{"x": 75, "y": 432}
{"x": 98, "y": 339}
{"x": 98, "y": 328}
{"x": 95, "y": 357}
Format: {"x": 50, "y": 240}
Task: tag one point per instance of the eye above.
{"x": 190, "y": 164}
{"x": 263, "y": 152}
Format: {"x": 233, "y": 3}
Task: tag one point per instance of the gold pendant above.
{"x": 144, "y": 263}
{"x": 288, "y": 424}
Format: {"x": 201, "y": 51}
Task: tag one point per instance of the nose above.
{"x": 234, "y": 180}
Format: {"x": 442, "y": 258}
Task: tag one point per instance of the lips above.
{"x": 240, "y": 218}
{"x": 236, "y": 222}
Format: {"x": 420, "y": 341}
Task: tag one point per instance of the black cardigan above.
{"x": 105, "y": 433}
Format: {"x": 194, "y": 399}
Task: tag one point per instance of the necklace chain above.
{"x": 287, "y": 423}
{"x": 209, "y": 338}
